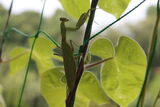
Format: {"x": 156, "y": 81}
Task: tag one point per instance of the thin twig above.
{"x": 97, "y": 63}
{"x": 14, "y": 58}
{"x": 150, "y": 58}
{"x": 32, "y": 36}
{"x": 19, "y": 32}
{"x": 156, "y": 100}
{"x": 9, "y": 14}
{"x": 5, "y": 29}
{"x": 50, "y": 38}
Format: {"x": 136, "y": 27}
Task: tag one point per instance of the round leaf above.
{"x": 20, "y": 57}
{"x": 42, "y": 54}
{"x": 52, "y": 88}
{"x": 115, "y": 7}
{"x": 75, "y": 7}
{"x": 91, "y": 88}
{"x": 123, "y": 76}
{"x": 102, "y": 48}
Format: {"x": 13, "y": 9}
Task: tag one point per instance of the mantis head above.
{"x": 63, "y": 19}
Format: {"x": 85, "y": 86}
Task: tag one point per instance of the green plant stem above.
{"x": 30, "y": 56}
{"x": 4, "y": 31}
{"x": 71, "y": 96}
{"x": 19, "y": 32}
{"x": 32, "y": 36}
{"x": 97, "y": 63}
{"x": 26, "y": 74}
{"x": 50, "y": 38}
{"x": 150, "y": 58}
{"x": 156, "y": 100}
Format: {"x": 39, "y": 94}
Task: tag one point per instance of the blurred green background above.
{"x": 28, "y": 22}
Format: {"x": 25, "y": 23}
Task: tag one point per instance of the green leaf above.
{"x": 20, "y": 59}
{"x": 115, "y": 7}
{"x": 75, "y": 7}
{"x": 43, "y": 54}
{"x": 102, "y": 48}
{"x": 90, "y": 87}
{"x": 54, "y": 90}
{"x": 81, "y": 100}
{"x": 93, "y": 104}
{"x": 122, "y": 77}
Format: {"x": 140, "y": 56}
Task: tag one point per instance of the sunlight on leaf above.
{"x": 43, "y": 53}
{"x": 115, "y": 7}
{"x": 75, "y": 7}
{"x": 93, "y": 104}
{"x": 52, "y": 88}
{"x": 90, "y": 87}
{"x": 102, "y": 48}
{"x": 122, "y": 77}
{"x": 19, "y": 63}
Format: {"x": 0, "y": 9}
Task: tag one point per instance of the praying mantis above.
{"x": 67, "y": 50}
{"x": 68, "y": 57}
